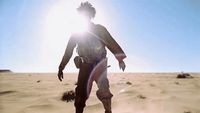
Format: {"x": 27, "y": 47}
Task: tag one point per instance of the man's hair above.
{"x": 87, "y": 9}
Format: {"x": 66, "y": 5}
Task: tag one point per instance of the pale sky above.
{"x": 156, "y": 35}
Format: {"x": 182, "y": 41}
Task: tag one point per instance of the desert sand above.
{"x": 133, "y": 93}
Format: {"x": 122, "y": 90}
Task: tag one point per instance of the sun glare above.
{"x": 80, "y": 24}
{"x": 60, "y": 22}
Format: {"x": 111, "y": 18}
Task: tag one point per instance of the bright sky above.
{"x": 156, "y": 35}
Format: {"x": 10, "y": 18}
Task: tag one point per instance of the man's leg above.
{"x": 81, "y": 95}
{"x": 103, "y": 93}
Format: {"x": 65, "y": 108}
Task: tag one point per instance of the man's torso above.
{"x": 90, "y": 47}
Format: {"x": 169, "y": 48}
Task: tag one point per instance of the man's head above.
{"x": 87, "y": 10}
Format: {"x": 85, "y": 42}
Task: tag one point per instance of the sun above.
{"x": 80, "y": 24}
{"x": 60, "y": 21}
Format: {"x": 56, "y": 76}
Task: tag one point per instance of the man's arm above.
{"x": 68, "y": 54}
{"x": 113, "y": 46}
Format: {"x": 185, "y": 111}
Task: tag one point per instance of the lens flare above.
{"x": 81, "y": 24}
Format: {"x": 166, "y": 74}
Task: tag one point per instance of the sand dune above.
{"x": 133, "y": 93}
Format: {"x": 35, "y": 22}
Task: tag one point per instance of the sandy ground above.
{"x": 133, "y": 93}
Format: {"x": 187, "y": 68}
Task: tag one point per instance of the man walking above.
{"x": 92, "y": 60}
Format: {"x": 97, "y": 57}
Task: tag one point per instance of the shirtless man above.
{"x": 92, "y": 60}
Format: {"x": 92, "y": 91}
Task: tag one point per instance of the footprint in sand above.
{"x": 6, "y": 92}
{"x": 177, "y": 83}
{"x": 152, "y": 85}
{"x": 141, "y": 96}
{"x": 128, "y": 83}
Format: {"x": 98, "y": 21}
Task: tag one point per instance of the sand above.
{"x": 133, "y": 93}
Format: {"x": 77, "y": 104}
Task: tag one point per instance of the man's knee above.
{"x": 104, "y": 94}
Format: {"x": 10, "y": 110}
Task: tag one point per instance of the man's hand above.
{"x": 122, "y": 65}
{"x": 60, "y": 75}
